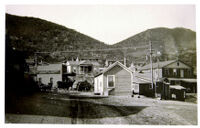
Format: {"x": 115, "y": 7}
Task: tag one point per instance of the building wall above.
{"x": 98, "y": 84}
{"x": 46, "y": 78}
{"x": 157, "y": 73}
{"x": 136, "y": 87}
{"x": 49, "y": 67}
{"x": 45, "y": 72}
{"x": 144, "y": 89}
{"x": 178, "y": 70}
{"x": 123, "y": 81}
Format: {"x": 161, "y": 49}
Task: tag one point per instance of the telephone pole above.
{"x": 151, "y": 64}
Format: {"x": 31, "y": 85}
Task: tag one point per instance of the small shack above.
{"x": 177, "y": 92}
{"x": 114, "y": 80}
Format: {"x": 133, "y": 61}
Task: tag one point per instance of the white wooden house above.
{"x": 117, "y": 79}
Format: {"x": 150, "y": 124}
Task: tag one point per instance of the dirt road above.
{"x": 53, "y": 108}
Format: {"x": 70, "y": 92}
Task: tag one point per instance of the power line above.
{"x": 95, "y": 50}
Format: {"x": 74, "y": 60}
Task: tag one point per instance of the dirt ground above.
{"x": 111, "y": 110}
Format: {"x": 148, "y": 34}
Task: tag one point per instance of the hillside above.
{"x": 172, "y": 43}
{"x": 32, "y": 34}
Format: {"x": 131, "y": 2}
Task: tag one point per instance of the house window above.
{"x": 175, "y": 72}
{"x": 189, "y": 73}
{"x": 74, "y": 69}
{"x": 166, "y": 72}
{"x": 68, "y": 69}
{"x": 111, "y": 81}
{"x": 177, "y": 63}
{"x": 181, "y": 73}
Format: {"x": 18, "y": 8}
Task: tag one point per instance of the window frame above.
{"x": 175, "y": 72}
{"x": 113, "y": 81}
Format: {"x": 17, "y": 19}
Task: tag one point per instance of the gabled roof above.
{"x": 113, "y": 65}
{"x": 159, "y": 64}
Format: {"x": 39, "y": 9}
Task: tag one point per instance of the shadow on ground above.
{"x": 39, "y": 104}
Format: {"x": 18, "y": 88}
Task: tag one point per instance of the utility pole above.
{"x": 151, "y": 65}
{"x": 157, "y": 74}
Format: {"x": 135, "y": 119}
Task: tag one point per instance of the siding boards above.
{"x": 122, "y": 80}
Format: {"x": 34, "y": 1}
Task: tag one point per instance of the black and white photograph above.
{"x": 101, "y": 64}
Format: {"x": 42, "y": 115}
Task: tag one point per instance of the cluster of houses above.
{"x": 171, "y": 79}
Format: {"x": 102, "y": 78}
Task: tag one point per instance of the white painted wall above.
{"x": 98, "y": 84}
{"x": 157, "y": 73}
{"x": 136, "y": 87}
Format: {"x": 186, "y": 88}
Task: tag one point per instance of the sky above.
{"x": 111, "y": 23}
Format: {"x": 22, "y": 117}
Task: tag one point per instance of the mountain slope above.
{"x": 178, "y": 37}
{"x": 172, "y": 43}
{"x": 35, "y": 34}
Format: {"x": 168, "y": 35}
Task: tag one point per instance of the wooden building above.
{"x": 49, "y": 73}
{"x": 82, "y": 67}
{"x": 177, "y": 72}
{"x": 81, "y": 70}
{"x": 114, "y": 80}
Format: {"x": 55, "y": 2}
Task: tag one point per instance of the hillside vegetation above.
{"x": 33, "y": 34}
{"x": 177, "y": 43}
